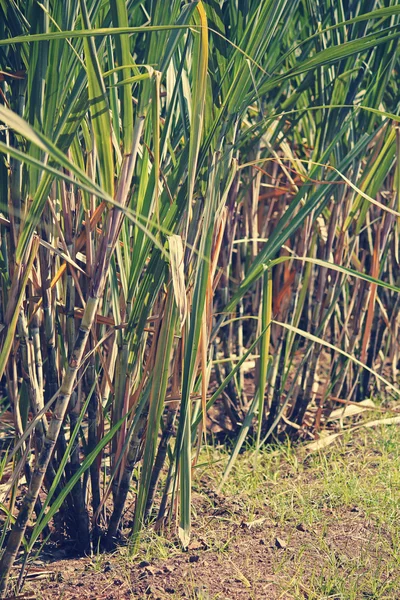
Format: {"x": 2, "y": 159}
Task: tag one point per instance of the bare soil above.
{"x": 246, "y": 572}
{"x": 325, "y": 527}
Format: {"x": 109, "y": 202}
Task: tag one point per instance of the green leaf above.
{"x": 99, "y": 109}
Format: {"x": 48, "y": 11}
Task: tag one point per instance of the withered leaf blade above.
{"x": 178, "y": 275}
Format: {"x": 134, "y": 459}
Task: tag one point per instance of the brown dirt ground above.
{"x": 249, "y": 571}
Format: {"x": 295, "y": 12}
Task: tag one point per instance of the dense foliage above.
{"x": 185, "y": 187}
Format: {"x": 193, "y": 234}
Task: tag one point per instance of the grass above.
{"x": 346, "y": 500}
{"x": 362, "y": 471}
{"x": 335, "y": 513}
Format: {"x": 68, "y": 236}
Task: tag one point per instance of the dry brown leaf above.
{"x": 350, "y": 410}
{"x": 280, "y": 543}
{"x": 327, "y": 440}
{"x": 178, "y": 275}
{"x": 323, "y": 442}
{"x": 377, "y": 422}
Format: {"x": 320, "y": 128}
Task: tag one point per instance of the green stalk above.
{"x": 266, "y": 316}
{"x": 156, "y": 406}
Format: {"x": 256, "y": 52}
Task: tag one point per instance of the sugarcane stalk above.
{"x": 360, "y": 312}
{"x": 134, "y": 454}
{"x": 160, "y": 459}
{"x": 107, "y": 245}
{"x": 119, "y": 398}
{"x": 46, "y": 270}
{"x": 167, "y": 433}
{"x": 322, "y": 307}
{"x": 92, "y": 442}
{"x": 49, "y": 443}
{"x": 38, "y": 361}
{"x": 29, "y": 350}
{"x": 29, "y": 375}
{"x": 278, "y": 369}
{"x": 229, "y": 407}
{"x": 80, "y": 515}
{"x": 162, "y": 511}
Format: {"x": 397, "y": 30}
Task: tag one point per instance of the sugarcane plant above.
{"x": 185, "y": 188}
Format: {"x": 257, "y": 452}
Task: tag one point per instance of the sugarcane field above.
{"x": 200, "y": 299}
